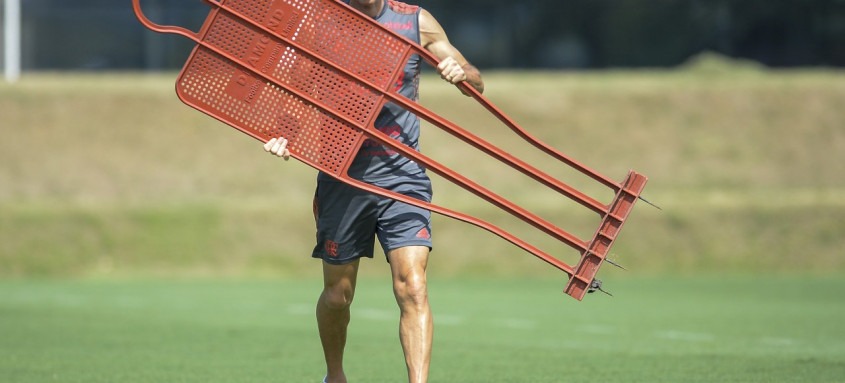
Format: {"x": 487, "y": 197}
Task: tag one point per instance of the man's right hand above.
{"x": 279, "y": 147}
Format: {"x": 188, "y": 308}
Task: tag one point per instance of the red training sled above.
{"x": 318, "y": 72}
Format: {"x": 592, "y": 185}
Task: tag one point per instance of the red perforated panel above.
{"x": 272, "y": 57}
{"x": 332, "y": 32}
{"x": 266, "y": 110}
{"x": 236, "y": 92}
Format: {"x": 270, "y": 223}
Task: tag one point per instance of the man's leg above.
{"x": 333, "y": 315}
{"x": 408, "y": 265}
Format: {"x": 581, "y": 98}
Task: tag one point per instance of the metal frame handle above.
{"x": 139, "y": 13}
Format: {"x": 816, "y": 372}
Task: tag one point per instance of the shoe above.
{"x": 324, "y": 379}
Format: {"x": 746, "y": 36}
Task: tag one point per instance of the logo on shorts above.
{"x": 331, "y": 248}
{"x": 424, "y": 234}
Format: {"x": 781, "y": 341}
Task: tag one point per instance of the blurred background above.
{"x": 732, "y": 108}
{"x": 577, "y": 34}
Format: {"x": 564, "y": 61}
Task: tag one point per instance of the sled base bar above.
{"x": 609, "y": 228}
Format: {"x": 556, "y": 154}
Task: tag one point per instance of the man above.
{"x": 348, "y": 219}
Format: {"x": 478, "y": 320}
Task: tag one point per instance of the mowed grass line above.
{"x": 204, "y": 239}
{"x": 657, "y": 329}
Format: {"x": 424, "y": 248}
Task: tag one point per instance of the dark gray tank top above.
{"x": 375, "y": 162}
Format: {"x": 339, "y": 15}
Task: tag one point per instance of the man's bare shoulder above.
{"x": 430, "y": 28}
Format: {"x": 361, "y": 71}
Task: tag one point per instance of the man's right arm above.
{"x": 453, "y": 67}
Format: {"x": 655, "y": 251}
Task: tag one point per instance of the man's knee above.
{"x": 338, "y": 285}
{"x": 408, "y": 265}
{"x": 338, "y": 297}
{"x": 412, "y": 289}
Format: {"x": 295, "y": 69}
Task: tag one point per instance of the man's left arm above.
{"x": 453, "y": 67}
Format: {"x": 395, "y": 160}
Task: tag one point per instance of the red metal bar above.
{"x": 593, "y": 257}
{"x": 136, "y": 6}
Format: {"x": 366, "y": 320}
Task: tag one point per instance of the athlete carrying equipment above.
{"x": 317, "y": 72}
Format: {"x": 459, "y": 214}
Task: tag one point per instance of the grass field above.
{"x": 691, "y": 329}
{"x": 141, "y": 241}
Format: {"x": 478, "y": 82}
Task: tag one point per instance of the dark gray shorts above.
{"x": 349, "y": 219}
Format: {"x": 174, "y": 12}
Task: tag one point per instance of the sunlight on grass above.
{"x": 111, "y": 174}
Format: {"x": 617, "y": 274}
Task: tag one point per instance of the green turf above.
{"x": 678, "y": 329}
{"x": 101, "y": 179}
